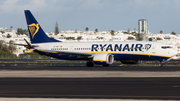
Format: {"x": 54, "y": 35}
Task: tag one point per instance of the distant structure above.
{"x": 143, "y": 26}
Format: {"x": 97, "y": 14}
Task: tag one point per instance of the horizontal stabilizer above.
{"x": 30, "y": 50}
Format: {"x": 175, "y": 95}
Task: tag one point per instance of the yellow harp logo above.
{"x": 33, "y": 28}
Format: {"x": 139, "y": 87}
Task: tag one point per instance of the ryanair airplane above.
{"x": 101, "y": 53}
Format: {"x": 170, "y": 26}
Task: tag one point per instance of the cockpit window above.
{"x": 166, "y": 47}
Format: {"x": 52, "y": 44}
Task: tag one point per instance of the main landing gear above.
{"x": 89, "y": 64}
{"x": 163, "y": 61}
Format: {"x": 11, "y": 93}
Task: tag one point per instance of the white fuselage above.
{"x": 138, "y": 48}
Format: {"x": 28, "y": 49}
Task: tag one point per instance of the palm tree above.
{"x": 96, "y": 30}
{"x": 11, "y": 28}
{"x": 87, "y": 29}
{"x": 173, "y": 33}
{"x": 112, "y": 32}
{"x": 161, "y": 32}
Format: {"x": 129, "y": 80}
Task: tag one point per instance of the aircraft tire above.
{"x": 161, "y": 64}
{"x": 89, "y": 64}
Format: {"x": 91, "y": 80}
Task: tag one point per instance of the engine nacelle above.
{"x": 129, "y": 61}
{"x": 103, "y": 59}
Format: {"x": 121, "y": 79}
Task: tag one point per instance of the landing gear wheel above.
{"x": 106, "y": 65}
{"x": 161, "y": 64}
{"x": 89, "y": 64}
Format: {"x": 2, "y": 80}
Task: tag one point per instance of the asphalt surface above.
{"x": 98, "y": 68}
{"x": 53, "y": 60}
{"x": 66, "y": 63}
{"x": 93, "y": 84}
{"x": 116, "y": 88}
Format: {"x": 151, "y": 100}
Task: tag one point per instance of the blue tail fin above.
{"x": 37, "y": 35}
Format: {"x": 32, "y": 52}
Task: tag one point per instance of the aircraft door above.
{"x": 143, "y": 49}
{"x": 154, "y": 49}
{"x": 71, "y": 48}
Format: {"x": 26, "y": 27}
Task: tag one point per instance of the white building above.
{"x": 142, "y": 26}
{"x": 170, "y": 39}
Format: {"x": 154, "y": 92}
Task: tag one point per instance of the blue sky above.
{"x": 101, "y": 14}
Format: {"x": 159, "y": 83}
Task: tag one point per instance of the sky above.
{"x": 105, "y": 15}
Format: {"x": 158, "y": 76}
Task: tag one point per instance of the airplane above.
{"x": 99, "y": 53}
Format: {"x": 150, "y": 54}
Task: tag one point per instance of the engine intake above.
{"x": 103, "y": 59}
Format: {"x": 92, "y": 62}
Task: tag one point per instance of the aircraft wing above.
{"x": 80, "y": 54}
{"x": 25, "y": 45}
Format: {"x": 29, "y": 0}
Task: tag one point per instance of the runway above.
{"x": 96, "y": 68}
{"x": 91, "y": 83}
{"x": 63, "y": 63}
{"x": 86, "y": 72}
{"x": 116, "y": 88}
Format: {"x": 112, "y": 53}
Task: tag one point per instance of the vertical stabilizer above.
{"x": 37, "y": 35}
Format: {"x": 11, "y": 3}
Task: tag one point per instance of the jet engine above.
{"x": 103, "y": 59}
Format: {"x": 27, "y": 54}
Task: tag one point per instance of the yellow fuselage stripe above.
{"x": 48, "y": 51}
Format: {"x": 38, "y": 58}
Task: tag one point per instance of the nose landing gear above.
{"x": 161, "y": 64}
